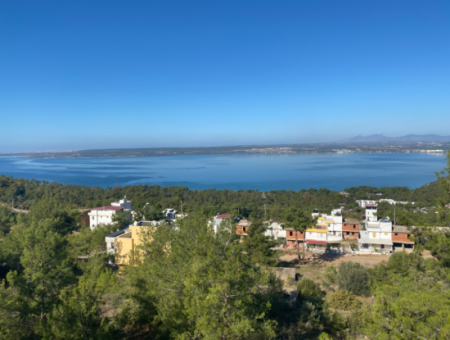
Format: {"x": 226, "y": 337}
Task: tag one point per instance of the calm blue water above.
{"x": 262, "y": 172}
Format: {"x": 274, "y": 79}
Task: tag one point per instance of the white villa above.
{"x": 104, "y": 215}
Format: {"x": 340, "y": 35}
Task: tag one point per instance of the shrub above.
{"x": 353, "y": 277}
{"x": 330, "y": 275}
{"x": 311, "y": 314}
{"x": 342, "y": 299}
{"x": 324, "y": 336}
{"x": 307, "y": 288}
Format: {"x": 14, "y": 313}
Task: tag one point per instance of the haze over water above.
{"x": 262, "y": 172}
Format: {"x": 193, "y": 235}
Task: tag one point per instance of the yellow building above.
{"x": 125, "y": 244}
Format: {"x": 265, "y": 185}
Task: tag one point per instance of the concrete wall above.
{"x": 124, "y": 245}
{"x": 350, "y": 227}
{"x": 401, "y": 238}
{"x": 350, "y": 234}
{"x": 290, "y": 235}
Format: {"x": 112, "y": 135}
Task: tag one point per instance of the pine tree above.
{"x": 257, "y": 245}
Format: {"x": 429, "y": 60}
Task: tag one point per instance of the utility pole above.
{"x": 395, "y": 223}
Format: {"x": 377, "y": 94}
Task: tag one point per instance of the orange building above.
{"x": 401, "y": 237}
{"x": 350, "y": 228}
{"x": 242, "y": 227}
{"x": 291, "y": 235}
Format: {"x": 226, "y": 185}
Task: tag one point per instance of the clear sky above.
{"x": 106, "y": 74}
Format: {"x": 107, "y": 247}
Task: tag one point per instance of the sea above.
{"x": 258, "y": 172}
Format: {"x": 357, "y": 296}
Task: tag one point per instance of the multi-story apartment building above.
{"x": 104, "y": 215}
{"x": 350, "y": 228}
{"x": 378, "y": 233}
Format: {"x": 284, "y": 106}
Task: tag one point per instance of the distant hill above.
{"x": 379, "y": 138}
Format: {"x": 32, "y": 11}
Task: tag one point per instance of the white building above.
{"x": 332, "y": 223}
{"x": 170, "y": 214}
{"x": 327, "y": 230}
{"x": 363, "y": 203}
{"x": 111, "y": 240}
{"x": 378, "y": 233}
{"x": 104, "y": 215}
{"x": 275, "y": 230}
{"x": 218, "y": 219}
{"x": 391, "y": 201}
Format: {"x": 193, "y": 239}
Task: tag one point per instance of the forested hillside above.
{"x": 25, "y": 194}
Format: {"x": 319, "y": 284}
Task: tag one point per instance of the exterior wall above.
{"x": 367, "y": 245}
{"x": 127, "y": 243}
{"x": 316, "y": 236}
{"x": 372, "y": 247}
{"x": 97, "y": 217}
{"x": 363, "y": 203}
{"x": 275, "y": 230}
{"x": 110, "y": 244}
{"x": 350, "y": 230}
{"x": 352, "y": 227}
{"x": 376, "y": 235}
{"x": 350, "y": 234}
{"x": 241, "y": 230}
{"x": 371, "y": 215}
{"x": 401, "y": 238}
{"x": 85, "y": 218}
{"x": 123, "y": 247}
{"x": 122, "y": 203}
{"x": 290, "y": 235}
{"x": 335, "y": 228}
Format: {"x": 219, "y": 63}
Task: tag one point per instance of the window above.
{"x": 374, "y": 234}
{"x": 112, "y": 245}
{"x": 290, "y": 233}
{"x": 92, "y": 218}
{"x": 354, "y": 226}
{"x": 396, "y": 234}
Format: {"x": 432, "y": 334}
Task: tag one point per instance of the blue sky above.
{"x": 108, "y": 74}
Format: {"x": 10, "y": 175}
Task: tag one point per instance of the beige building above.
{"x": 125, "y": 244}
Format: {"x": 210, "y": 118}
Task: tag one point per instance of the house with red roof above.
{"x": 218, "y": 219}
{"x": 104, "y": 215}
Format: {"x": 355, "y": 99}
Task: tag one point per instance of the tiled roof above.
{"x": 223, "y": 216}
{"x": 108, "y": 207}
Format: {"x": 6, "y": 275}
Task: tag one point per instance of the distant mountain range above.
{"x": 379, "y": 138}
